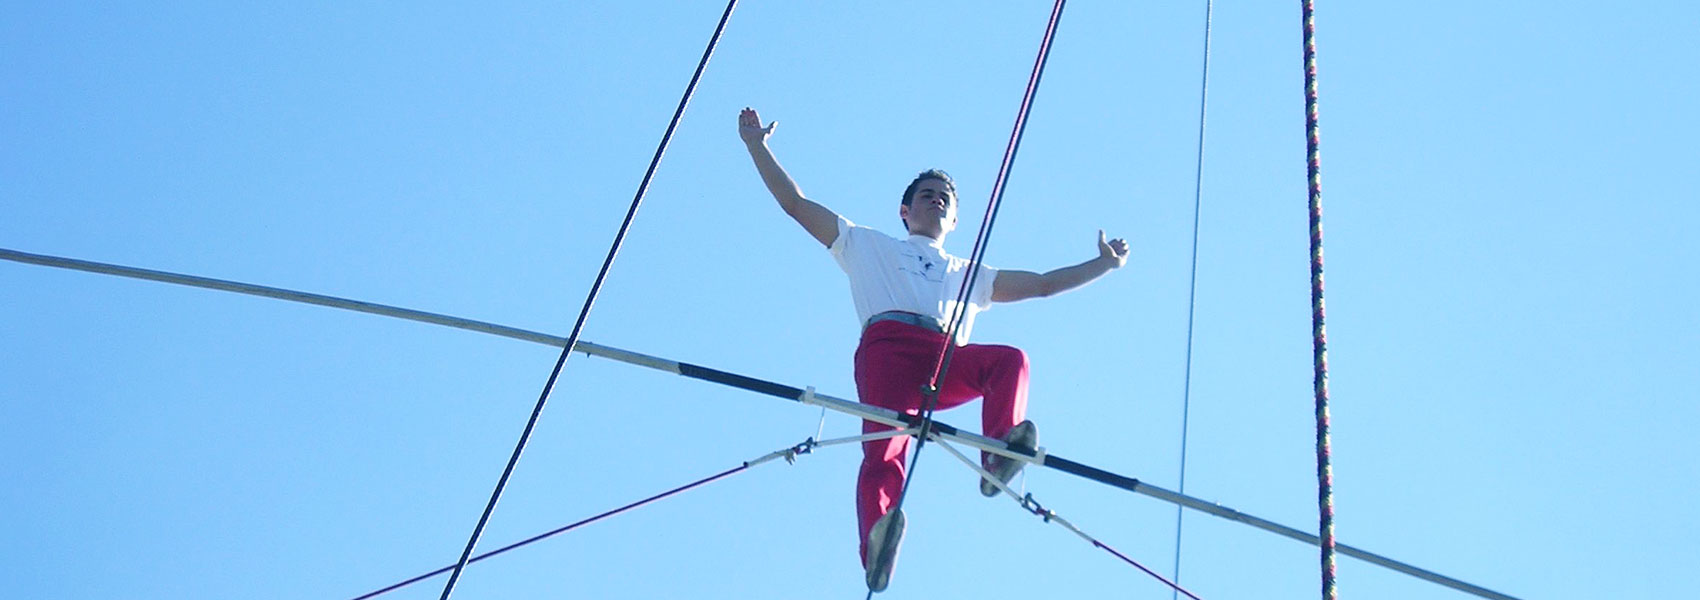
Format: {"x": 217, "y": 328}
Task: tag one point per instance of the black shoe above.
{"x": 1024, "y": 436}
{"x": 883, "y": 541}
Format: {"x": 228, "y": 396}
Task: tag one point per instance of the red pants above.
{"x": 892, "y": 363}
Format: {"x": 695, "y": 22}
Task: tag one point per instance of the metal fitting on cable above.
{"x": 806, "y": 447}
{"x": 1033, "y": 506}
{"x": 930, "y": 392}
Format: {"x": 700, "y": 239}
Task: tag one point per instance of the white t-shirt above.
{"x": 913, "y": 275}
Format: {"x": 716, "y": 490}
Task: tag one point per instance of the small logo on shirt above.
{"x": 927, "y": 268}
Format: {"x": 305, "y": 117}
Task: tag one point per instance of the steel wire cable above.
{"x": 1192, "y": 285}
{"x": 589, "y": 301}
{"x": 743, "y": 382}
{"x": 980, "y": 242}
{"x": 930, "y": 396}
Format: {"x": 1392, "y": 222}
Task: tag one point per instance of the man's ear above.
{"x": 903, "y": 213}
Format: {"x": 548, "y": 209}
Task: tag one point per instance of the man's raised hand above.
{"x": 1115, "y": 250}
{"x": 750, "y": 129}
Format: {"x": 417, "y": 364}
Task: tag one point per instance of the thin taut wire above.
{"x": 1192, "y": 286}
{"x": 589, "y": 300}
{"x": 981, "y": 240}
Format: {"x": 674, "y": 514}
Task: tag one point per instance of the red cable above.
{"x": 552, "y": 533}
{"x": 1135, "y": 563}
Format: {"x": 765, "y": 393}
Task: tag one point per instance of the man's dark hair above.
{"x": 939, "y": 174}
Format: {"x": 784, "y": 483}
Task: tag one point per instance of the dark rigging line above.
{"x": 980, "y": 241}
{"x": 589, "y": 300}
{"x": 1192, "y": 285}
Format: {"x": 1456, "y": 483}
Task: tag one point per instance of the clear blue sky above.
{"x": 1510, "y": 199}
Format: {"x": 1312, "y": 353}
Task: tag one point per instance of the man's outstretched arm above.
{"x": 1011, "y": 286}
{"x": 820, "y": 222}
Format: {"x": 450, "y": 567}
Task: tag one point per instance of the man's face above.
{"x": 931, "y": 211}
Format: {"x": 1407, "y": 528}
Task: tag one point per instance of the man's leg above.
{"x": 997, "y": 373}
{"x": 893, "y": 361}
{"x": 881, "y": 479}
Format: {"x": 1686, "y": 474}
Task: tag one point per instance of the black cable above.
{"x": 595, "y": 288}
{"x": 980, "y": 242}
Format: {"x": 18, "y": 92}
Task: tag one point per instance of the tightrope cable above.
{"x": 1192, "y": 286}
{"x": 1319, "y": 330}
{"x": 589, "y": 301}
{"x": 806, "y": 396}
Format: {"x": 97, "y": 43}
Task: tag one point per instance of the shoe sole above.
{"x": 1022, "y": 438}
{"x": 883, "y": 542}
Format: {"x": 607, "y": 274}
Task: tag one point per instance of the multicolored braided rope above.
{"x": 1319, "y": 331}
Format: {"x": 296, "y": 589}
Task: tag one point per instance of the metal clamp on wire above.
{"x": 1033, "y": 506}
{"x": 806, "y": 447}
{"x": 930, "y": 395}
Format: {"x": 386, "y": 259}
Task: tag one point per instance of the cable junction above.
{"x": 800, "y": 395}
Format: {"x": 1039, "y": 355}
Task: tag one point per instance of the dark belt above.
{"x": 922, "y": 321}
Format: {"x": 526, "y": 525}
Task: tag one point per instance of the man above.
{"x": 905, "y": 294}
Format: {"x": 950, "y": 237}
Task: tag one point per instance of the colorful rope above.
{"x": 1319, "y": 330}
